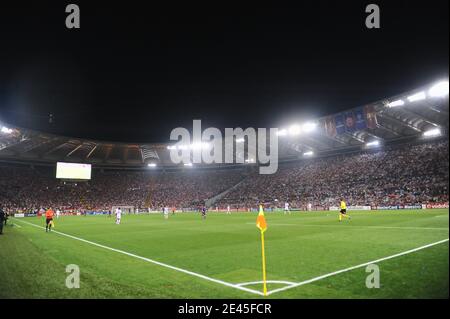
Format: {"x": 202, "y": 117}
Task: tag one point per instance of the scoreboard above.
{"x": 73, "y": 171}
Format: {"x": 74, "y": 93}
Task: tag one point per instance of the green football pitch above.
{"x": 309, "y": 255}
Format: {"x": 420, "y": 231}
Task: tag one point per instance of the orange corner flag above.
{"x": 261, "y": 221}
{"x": 262, "y": 225}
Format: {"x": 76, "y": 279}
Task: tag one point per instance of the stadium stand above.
{"x": 390, "y": 152}
{"x": 28, "y": 189}
{"x": 400, "y": 175}
{"x": 407, "y": 175}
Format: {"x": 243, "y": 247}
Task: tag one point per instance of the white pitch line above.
{"x": 15, "y": 225}
{"x": 361, "y": 226}
{"x": 154, "y": 262}
{"x": 268, "y": 281}
{"x": 355, "y": 267}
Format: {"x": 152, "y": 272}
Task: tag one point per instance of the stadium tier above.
{"x": 405, "y": 174}
{"x": 401, "y": 175}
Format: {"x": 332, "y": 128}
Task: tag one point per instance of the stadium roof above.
{"x": 403, "y": 117}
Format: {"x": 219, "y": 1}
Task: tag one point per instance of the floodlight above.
{"x": 309, "y": 153}
{"x": 240, "y": 140}
{"x": 282, "y": 132}
{"x": 151, "y": 164}
{"x": 373, "y": 143}
{"x": 196, "y": 146}
{"x": 440, "y": 89}
{"x": 432, "y": 132}
{"x": 206, "y": 145}
{"x": 396, "y": 103}
{"x": 417, "y": 97}
{"x": 295, "y": 129}
{"x": 309, "y": 127}
{"x": 187, "y": 164}
{"x": 6, "y": 130}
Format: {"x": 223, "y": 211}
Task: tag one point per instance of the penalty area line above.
{"x": 188, "y": 272}
{"x": 355, "y": 267}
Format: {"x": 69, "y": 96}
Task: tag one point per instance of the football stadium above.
{"x": 392, "y": 172}
{"x": 194, "y": 154}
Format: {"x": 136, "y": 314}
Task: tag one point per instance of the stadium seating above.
{"x": 406, "y": 174}
{"x": 409, "y": 174}
{"x": 27, "y": 189}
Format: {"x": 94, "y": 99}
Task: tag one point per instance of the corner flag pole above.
{"x": 263, "y": 264}
{"x": 262, "y": 225}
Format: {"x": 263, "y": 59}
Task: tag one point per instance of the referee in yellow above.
{"x": 343, "y": 211}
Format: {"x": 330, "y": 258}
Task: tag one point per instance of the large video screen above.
{"x": 73, "y": 171}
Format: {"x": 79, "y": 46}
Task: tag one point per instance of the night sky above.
{"x": 133, "y": 72}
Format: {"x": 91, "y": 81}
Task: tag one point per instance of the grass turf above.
{"x": 299, "y": 247}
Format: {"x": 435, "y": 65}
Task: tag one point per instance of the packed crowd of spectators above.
{"x": 191, "y": 189}
{"x": 28, "y": 189}
{"x": 408, "y": 174}
{"x": 401, "y": 175}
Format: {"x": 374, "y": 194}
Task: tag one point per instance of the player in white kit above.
{"x": 118, "y": 215}
{"x": 286, "y": 208}
{"x": 228, "y": 210}
{"x": 58, "y": 212}
{"x": 166, "y": 212}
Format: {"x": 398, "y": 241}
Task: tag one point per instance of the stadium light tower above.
{"x": 373, "y": 144}
{"x": 440, "y": 89}
{"x": 419, "y": 96}
{"x": 6, "y": 130}
{"x": 199, "y": 146}
{"x": 396, "y": 103}
{"x": 309, "y": 127}
{"x": 295, "y": 129}
{"x": 432, "y": 133}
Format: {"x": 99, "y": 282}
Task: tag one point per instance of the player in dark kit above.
{"x": 6, "y": 217}
{"x": 204, "y": 212}
{"x": 2, "y": 217}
